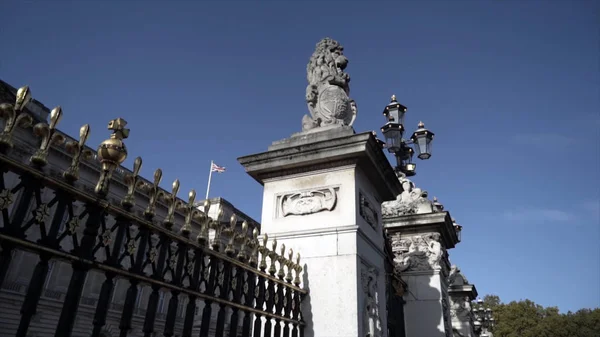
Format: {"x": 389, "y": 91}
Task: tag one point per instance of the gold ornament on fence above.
{"x": 13, "y": 115}
{"x": 204, "y": 224}
{"x": 215, "y": 224}
{"x": 154, "y": 192}
{"x": 173, "y": 202}
{"x": 133, "y": 183}
{"x": 49, "y": 136}
{"x": 78, "y": 150}
{"x": 191, "y": 212}
{"x": 111, "y": 153}
{"x": 230, "y": 233}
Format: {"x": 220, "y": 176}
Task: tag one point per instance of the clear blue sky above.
{"x": 509, "y": 87}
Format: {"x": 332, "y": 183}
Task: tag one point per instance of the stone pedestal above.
{"x": 322, "y": 196}
{"x": 419, "y": 244}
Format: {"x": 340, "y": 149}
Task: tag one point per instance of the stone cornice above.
{"x": 361, "y": 149}
{"x": 468, "y": 290}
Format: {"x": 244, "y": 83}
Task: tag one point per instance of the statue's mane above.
{"x": 322, "y": 64}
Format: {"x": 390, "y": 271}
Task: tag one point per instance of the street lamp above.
{"x": 393, "y": 130}
{"x": 484, "y": 321}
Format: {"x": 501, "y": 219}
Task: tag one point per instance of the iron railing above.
{"x": 254, "y": 290}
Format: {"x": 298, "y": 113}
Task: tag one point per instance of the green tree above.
{"x": 528, "y": 319}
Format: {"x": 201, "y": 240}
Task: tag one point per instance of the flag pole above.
{"x": 209, "y": 177}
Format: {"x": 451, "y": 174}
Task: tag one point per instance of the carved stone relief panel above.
{"x": 367, "y": 211}
{"x": 372, "y": 326}
{"x": 418, "y": 252}
{"x": 307, "y": 202}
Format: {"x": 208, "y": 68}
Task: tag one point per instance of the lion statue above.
{"x": 327, "y": 93}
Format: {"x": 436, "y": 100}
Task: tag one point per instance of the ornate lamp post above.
{"x": 484, "y": 321}
{"x": 393, "y": 130}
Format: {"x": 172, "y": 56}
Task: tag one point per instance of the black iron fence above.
{"x": 245, "y": 288}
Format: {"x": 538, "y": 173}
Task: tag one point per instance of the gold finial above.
{"x": 49, "y": 135}
{"x": 14, "y": 115}
{"x": 273, "y": 257}
{"x": 393, "y": 99}
{"x": 254, "y": 248}
{"x": 421, "y": 125}
{"x": 173, "y": 202}
{"x": 190, "y": 211}
{"x": 297, "y": 270}
{"x": 290, "y": 265}
{"x": 154, "y": 192}
{"x": 282, "y": 262}
{"x": 79, "y": 151}
{"x": 274, "y": 244}
{"x": 23, "y": 97}
{"x": 132, "y": 182}
{"x": 264, "y": 251}
{"x": 111, "y": 153}
{"x": 244, "y": 241}
{"x": 230, "y": 232}
{"x": 216, "y": 225}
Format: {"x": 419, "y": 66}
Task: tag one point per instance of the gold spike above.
{"x": 244, "y": 241}
{"x": 190, "y": 211}
{"x": 273, "y": 257}
{"x": 173, "y": 203}
{"x": 112, "y": 152}
{"x": 290, "y": 265}
{"x": 49, "y": 135}
{"x": 13, "y": 116}
{"x": 78, "y": 150}
{"x": 216, "y": 225}
{"x": 264, "y": 251}
{"x": 202, "y": 237}
{"x": 154, "y": 192}
{"x": 132, "y": 182}
{"x": 230, "y": 233}
{"x": 393, "y": 99}
{"x": 254, "y": 246}
{"x": 297, "y": 270}
{"x": 274, "y": 244}
{"x": 282, "y": 262}
{"x": 23, "y": 97}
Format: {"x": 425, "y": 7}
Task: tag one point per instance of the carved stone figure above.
{"x": 460, "y": 308}
{"x": 421, "y": 252}
{"x": 308, "y": 202}
{"x": 327, "y": 93}
{"x": 412, "y": 200}
{"x": 456, "y": 277}
{"x": 372, "y": 322}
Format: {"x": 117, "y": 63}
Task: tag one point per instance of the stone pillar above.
{"x": 322, "y": 196}
{"x": 461, "y": 295}
{"x": 421, "y": 233}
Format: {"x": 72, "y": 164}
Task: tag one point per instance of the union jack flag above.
{"x": 217, "y": 168}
